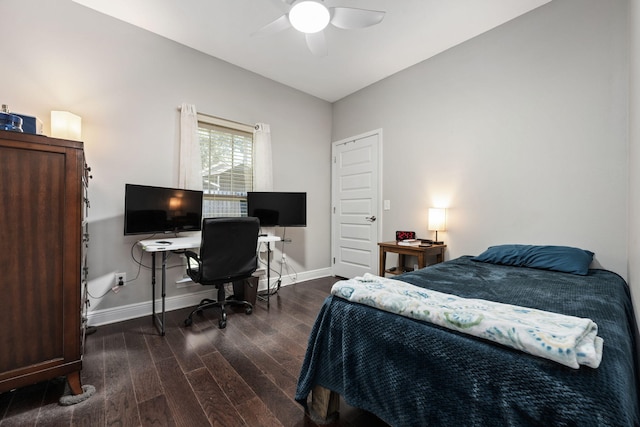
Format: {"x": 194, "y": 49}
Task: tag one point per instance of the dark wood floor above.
{"x": 243, "y": 375}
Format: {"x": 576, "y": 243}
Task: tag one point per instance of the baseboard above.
{"x": 132, "y": 311}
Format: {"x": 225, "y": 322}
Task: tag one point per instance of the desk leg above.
{"x": 153, "y": 287}
{"x": 164, "y": 288}
{"x": 261, "y": 297}
{"x": 383, "y": 261}
{"x": 158, "y": 321}
{"x": 268, "y": 272}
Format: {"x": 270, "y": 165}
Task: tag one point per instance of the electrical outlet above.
{"x": 121, "y": 279}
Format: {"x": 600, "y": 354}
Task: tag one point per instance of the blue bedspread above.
{"x": 411, "y": 373}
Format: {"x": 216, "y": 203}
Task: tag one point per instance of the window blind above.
{"x": 227, "y": 169}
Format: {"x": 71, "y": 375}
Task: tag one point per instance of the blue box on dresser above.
{"x": 31, "y": 124}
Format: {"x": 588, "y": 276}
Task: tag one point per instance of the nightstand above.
{"x": 421, "y": 252}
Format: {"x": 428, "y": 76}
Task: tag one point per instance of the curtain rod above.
{"x": 221, "y": 119}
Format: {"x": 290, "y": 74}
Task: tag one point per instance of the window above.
{"x": 227, "y": 166}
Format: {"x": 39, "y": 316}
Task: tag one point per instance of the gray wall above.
{"x": 520, "y": 132}
{"x": 126, "y": 84}
{"x": 634, "y": 152}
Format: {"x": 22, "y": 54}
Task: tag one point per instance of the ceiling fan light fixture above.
{"x": 309, "y": 16}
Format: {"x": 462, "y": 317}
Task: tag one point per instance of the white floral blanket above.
{"x": 571, "y": 341}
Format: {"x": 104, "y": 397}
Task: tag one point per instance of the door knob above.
{"x": 371, "y": 218}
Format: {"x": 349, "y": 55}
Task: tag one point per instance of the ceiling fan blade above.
{"x": 273, "y": 27}
{"x": 282, "y": 4}
{"x": 317, "y": 43}
{"x": 349, "y": 18}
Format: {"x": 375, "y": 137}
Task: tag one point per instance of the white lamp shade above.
{"x": 66, "y": 125}
{"x": 437, "y": 219}
{"x": 309, "y": 16}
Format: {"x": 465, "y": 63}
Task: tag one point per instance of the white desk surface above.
{"x": 162, "y": 244}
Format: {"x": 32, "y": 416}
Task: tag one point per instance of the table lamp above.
{"x": 437, "y": 222}
{"x": 66, "y": 125}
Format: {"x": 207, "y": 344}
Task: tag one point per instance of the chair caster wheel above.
{"x": 222, "y": 323}
{"x": 248, "y": 310}
{"x": 188, "y": 321}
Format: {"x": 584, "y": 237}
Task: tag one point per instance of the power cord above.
{"x": 140, "y": 265}
{"x": 283, "y": 260}
{"x": 283, "y": 265}
{"x": 266, "y": 265}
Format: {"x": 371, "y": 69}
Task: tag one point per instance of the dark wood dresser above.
{"x": 42, "y": 238}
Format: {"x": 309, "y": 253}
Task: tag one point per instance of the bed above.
{"x": 410, "y": 372}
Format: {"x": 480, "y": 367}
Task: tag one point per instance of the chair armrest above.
{"x": 193, "y": 258}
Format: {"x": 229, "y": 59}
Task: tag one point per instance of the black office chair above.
{"x": 228, "y": 253}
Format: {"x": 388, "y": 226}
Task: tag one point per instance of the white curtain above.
{"x": 190, "y": 164}
{"x": 262, "y": 166}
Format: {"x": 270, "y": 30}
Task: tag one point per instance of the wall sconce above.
{"x": 66, "y": 125}
{"x": 437, "y": 222}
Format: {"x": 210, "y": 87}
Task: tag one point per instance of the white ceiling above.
{"x": 412, "y": 31}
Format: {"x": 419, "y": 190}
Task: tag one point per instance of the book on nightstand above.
{"x": 409, "y": 242}
{"x": 426, "y": 243}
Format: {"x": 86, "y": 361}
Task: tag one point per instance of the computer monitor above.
{"x": 150, "y": 210}
{"x": 278, "y": 209}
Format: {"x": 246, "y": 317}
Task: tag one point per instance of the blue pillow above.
{"x": 557, "y": 258}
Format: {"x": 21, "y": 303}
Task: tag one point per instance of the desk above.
{"x": 419, "y": 251}
{"x": 163, "y": 245}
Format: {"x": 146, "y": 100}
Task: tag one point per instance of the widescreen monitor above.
{"x": 278, "y": 209}
{"x": 150, "y": 210}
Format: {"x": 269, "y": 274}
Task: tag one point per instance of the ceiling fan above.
{"x": 312, "y": 16}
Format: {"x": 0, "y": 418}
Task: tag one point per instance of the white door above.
{"x": 355, "y": 219}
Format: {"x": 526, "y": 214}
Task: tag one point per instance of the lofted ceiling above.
{"x": 411, "y": 31}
